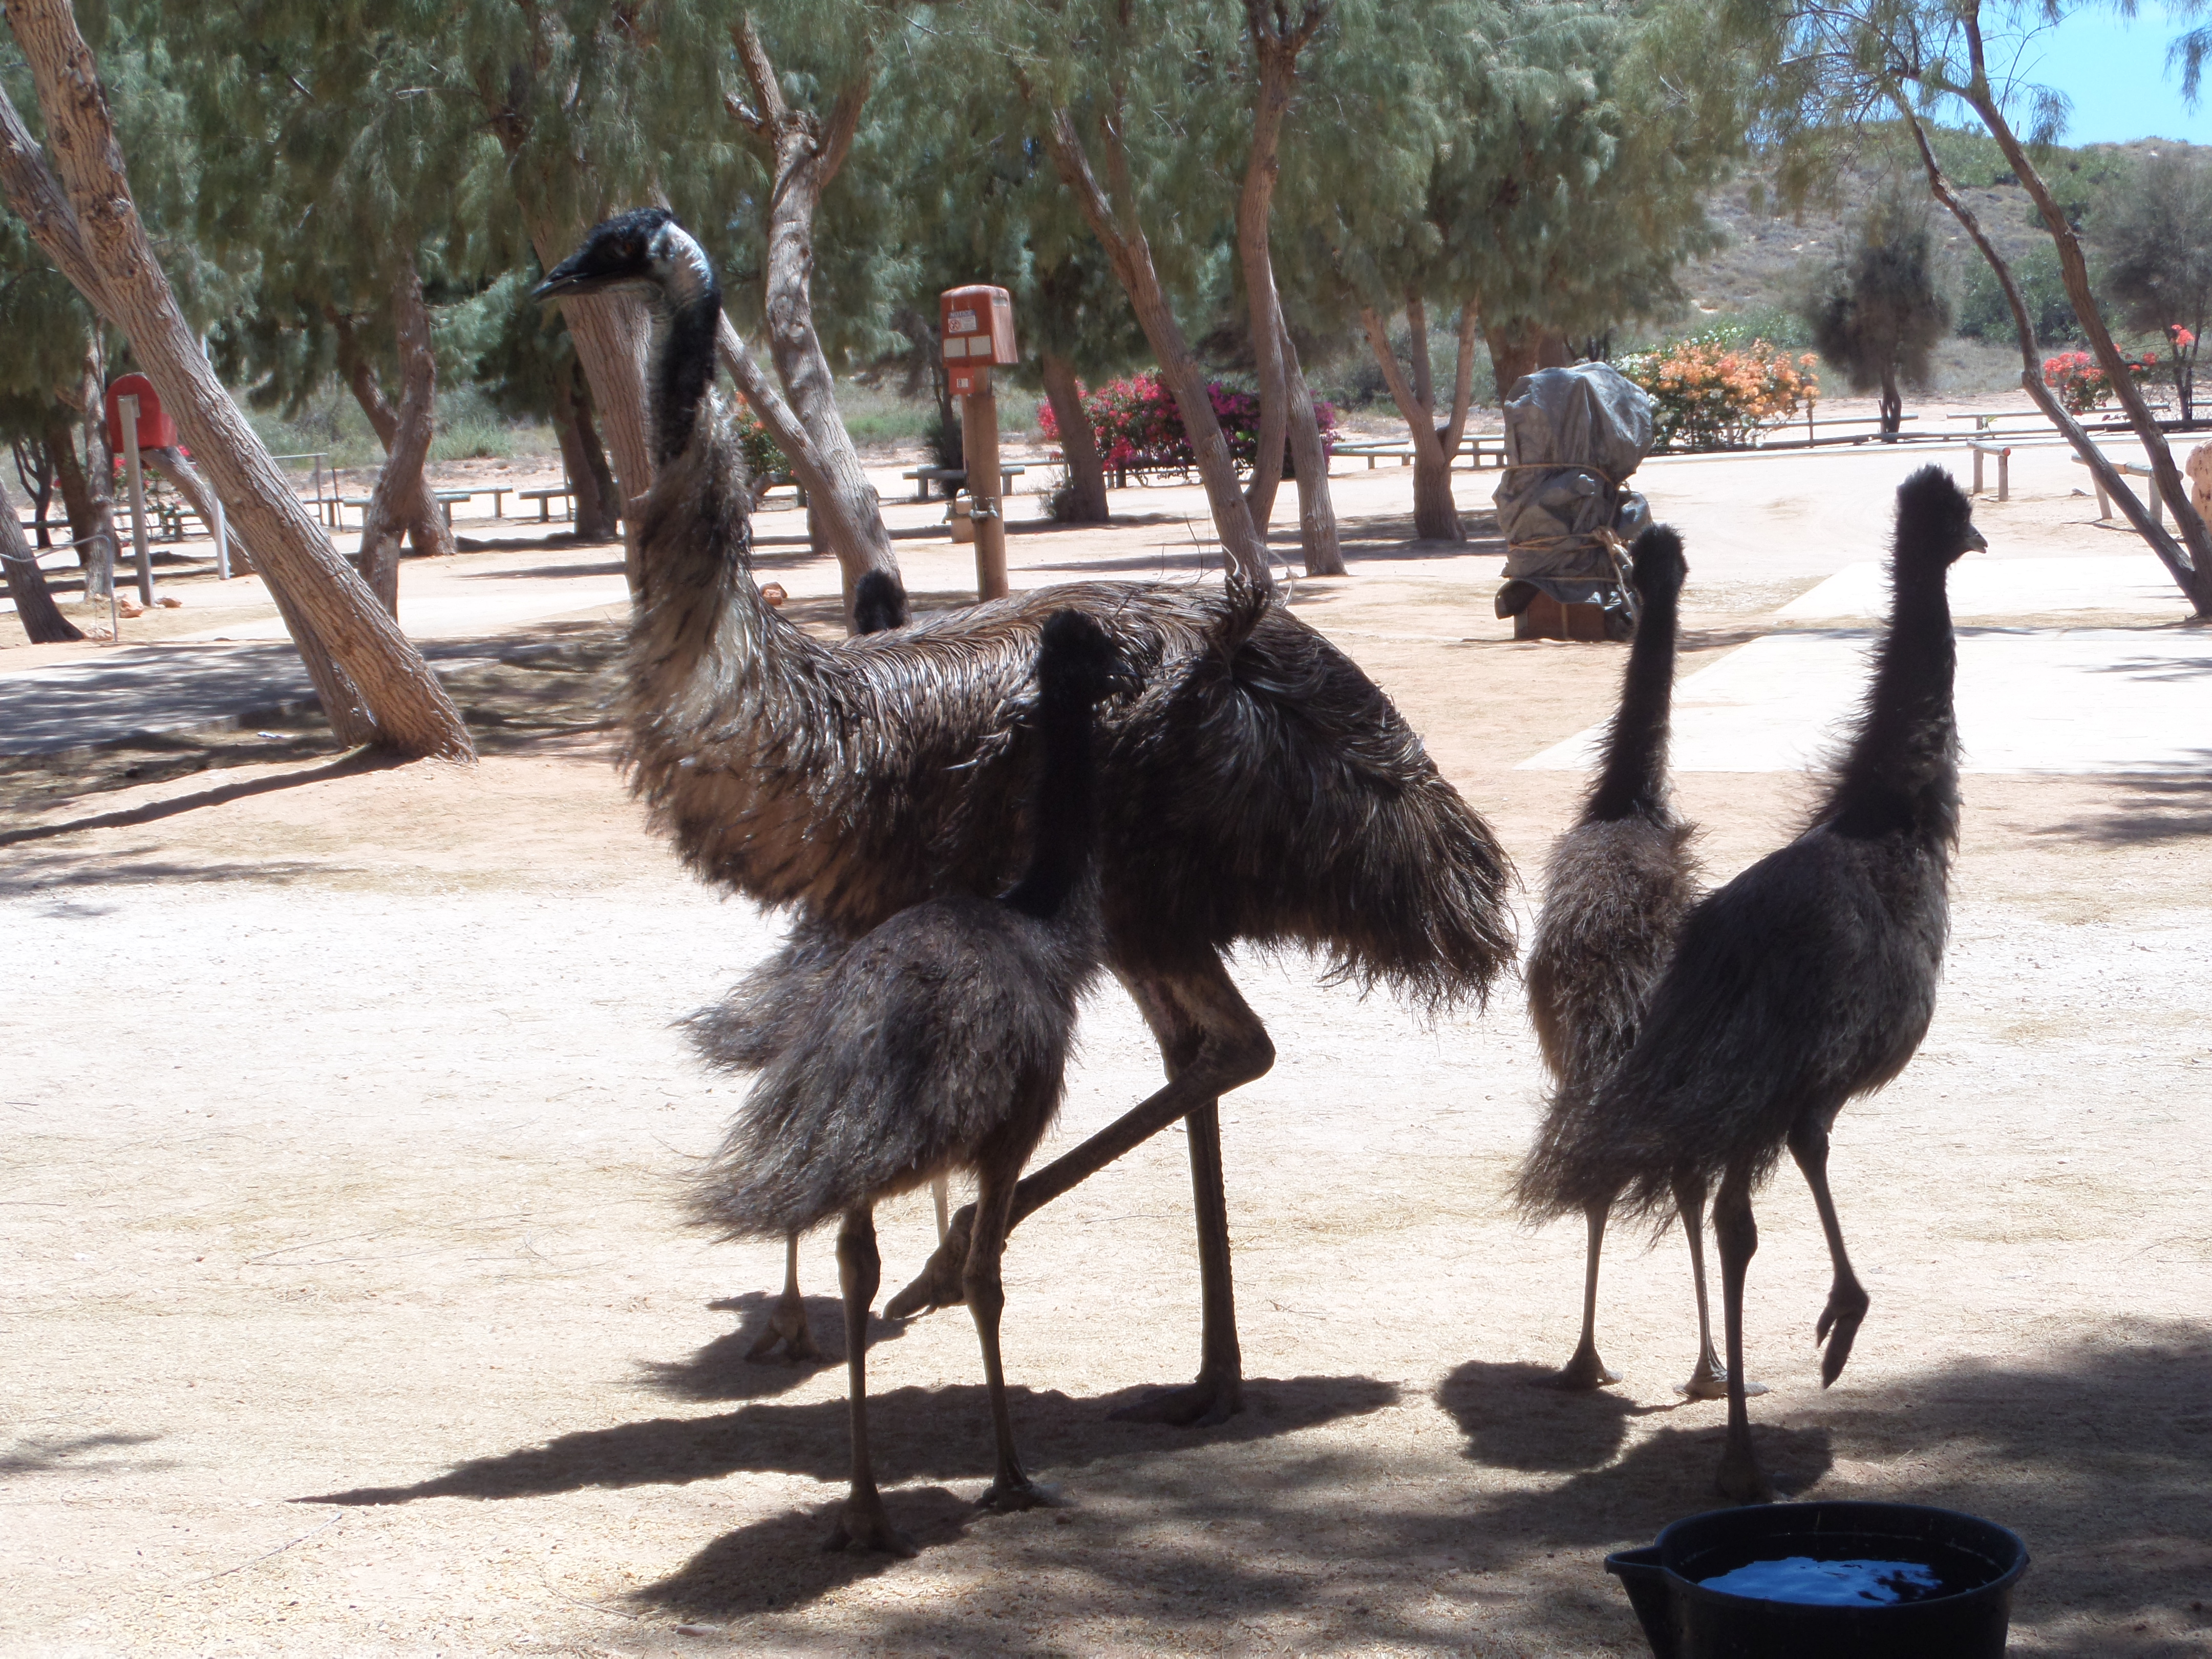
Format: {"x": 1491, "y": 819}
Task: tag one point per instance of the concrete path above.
{"x": 2133, "y": 583}
{"x": 2087, "y": 700}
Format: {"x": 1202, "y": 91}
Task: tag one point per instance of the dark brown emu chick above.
{"x": 938, "y": 1042}
{"x": 1285, "y": 803}
{"x": 1809, "y": 978}
{"x": 1616, "y": 889}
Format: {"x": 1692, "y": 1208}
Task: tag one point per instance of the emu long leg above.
{"x": 786, "y": 1321}
{"x": 1847, "y": 1297}
{"x": 860, "y": 1270}
{"x": 1586, "y": 1370}
{"x": 940, "y": 1194}
{"x": 1212, "y": 1042}
{"x": 1012, "y": 1487}
{"x": 1736, "y": 1233}
{"x": 1710, "y": 1380}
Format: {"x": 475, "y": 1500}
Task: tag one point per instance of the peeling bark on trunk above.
{"x": 26, "y": 584}
{"x": 1079, "y": 444}
{"x": 2196, "y": 583}
{"x": 419, "y": 517}
{"x": 804, "y": 154}
{"x": 1115, "y": 223}
{"x": 90, "y": 224}
{"x": 401, "y": 480}
{"x": 1317, "y": 538}
{"x": 584, "y": 461}
{"x": 1436, "y": 515}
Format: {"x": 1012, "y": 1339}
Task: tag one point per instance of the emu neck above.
{"x": 686, "y": 316}
{"x": 1064, "y": 818}
{"x": 1902, "y": 773}
{"x": 1633, "y": 782}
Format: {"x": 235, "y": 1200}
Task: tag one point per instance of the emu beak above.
{"x": 1976, "y": 542}
{"x": 564, "y": 279}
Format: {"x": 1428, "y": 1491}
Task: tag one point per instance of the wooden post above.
{"x": 979, "y": 445}
{"x": 136, "y": 480}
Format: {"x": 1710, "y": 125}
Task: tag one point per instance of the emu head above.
{"x": 1934, "y": 522}
{"x": 1657, "y": 562}
{"x": 644, "y": 248}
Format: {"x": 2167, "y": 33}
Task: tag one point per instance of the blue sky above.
{"x": 2115, "y": 72}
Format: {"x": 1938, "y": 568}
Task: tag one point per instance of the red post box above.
{"x": 977, "y": 326}
{"x": 156, "y": 430}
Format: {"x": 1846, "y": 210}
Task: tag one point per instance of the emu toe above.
{"x": 1204, "y": 1404}
{"x": 1007, "y": 1497}
{"x": 1838, "y": 1328}
{"x": 787, "y": 1324}
{"x": 939, "y": 1283}
{"x": 1709, "y": 1382}
{"x": 862, "y": 1524}
{"x": 1741, "y": 1479}
{"x": 1584, "y": 1372}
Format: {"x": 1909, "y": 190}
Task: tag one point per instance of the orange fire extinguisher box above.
{"x": 157, "y": 429}
{"x": 976, "y": 323}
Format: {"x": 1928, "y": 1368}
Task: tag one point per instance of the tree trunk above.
{"x": 1435, "y": 515}
{"x": 1317, "y": 538}
{"x": 1275, "y": 60}
{"x": 60, "y": 445}
{"x": 804, "y": 154}
{"x": 1122, "y": 236}
{"x": 1079, "y": 444}
{"x": 1893, "y": 405}
{"x": 2196, "y": 583}
{"x": 36, "y": 478}
{"x": 26, "y": 584}
{"x": 172, "y": 465}
{"x": 403, "y": 706}
{"x": 401, "y": 480}
{"x": 2100, "y": 467}
{"x": 419, "y": 517}
{"x": 584, "y": 460}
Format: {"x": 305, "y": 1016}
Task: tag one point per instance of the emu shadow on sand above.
{"x": 1286, "y": 802}
{"x": 1808, "y": 979}
{"x": 1616, "y": 888}
{"x": 939, "y": 1042}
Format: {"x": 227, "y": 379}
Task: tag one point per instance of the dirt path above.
{"x": 347, "y": 1309}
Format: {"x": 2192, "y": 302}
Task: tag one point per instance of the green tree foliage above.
{"x": 1878, "y": 313}
{"x": 1984, "y": 313}
{"x": 2155, "y": 236}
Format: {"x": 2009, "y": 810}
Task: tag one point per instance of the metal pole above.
{"x": 221, "y": 542}
{"x": 979, "y": 446}
{"x": 137, "y": 483}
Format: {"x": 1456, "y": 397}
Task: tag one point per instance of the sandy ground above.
{"x": 347, "y": 1307}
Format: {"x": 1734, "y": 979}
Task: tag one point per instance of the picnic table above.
{"x": 445, "y": 498}
{"x": 2126, "y": 470}
{"x": 544, "y": 497}
{"x": 1480, "y": 451}
{"x": 925, "y": 475}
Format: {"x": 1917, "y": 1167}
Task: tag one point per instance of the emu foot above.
{"x": 787, "y": 1324}
{"x": 862, "y": 1523}
{"x": 937, "y": 1285}
{"x": 1840, "y": 1328}
{"x": 1741, "y": 1479}
{"x": 1709, "y": 1382}
{"x": 1584, "y": 1372}
{"x": 1006, "y": 1497}
{"x": 1210, "y": 1401}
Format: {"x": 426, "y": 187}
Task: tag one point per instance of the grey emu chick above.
{"x": 938, "y": 1042}
{"x": 1808, "y": 979}
{"x": 1616, "y": 889}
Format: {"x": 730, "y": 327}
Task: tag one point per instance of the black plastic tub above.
{"x": 1953, "y": 1572}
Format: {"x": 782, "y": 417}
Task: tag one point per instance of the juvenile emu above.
{"x": 938, "y": 1042}
{"x": 1615, "y": 891}
{"x": 1291, "y": 805}
{"x": 1808, "y": 979}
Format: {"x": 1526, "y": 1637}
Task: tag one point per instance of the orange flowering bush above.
{"x": 1713, "y": 391}
{"x": 2079, "y": 379}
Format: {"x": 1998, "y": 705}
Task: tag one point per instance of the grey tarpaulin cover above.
{"x": 1572, "y": 437}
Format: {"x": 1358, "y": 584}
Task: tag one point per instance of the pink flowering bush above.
{"x": 1139, "y": 428}
{"x": 2079, "y": 379}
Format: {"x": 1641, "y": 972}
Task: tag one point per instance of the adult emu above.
{"x": 939, "y": 1042}
{"x": 1616, "y": 888}
{"x": 1808, "y": 979}
{"x": 1286, "y": 802}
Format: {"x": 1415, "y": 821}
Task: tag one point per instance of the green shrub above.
{"x": 1984, "y": 315}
